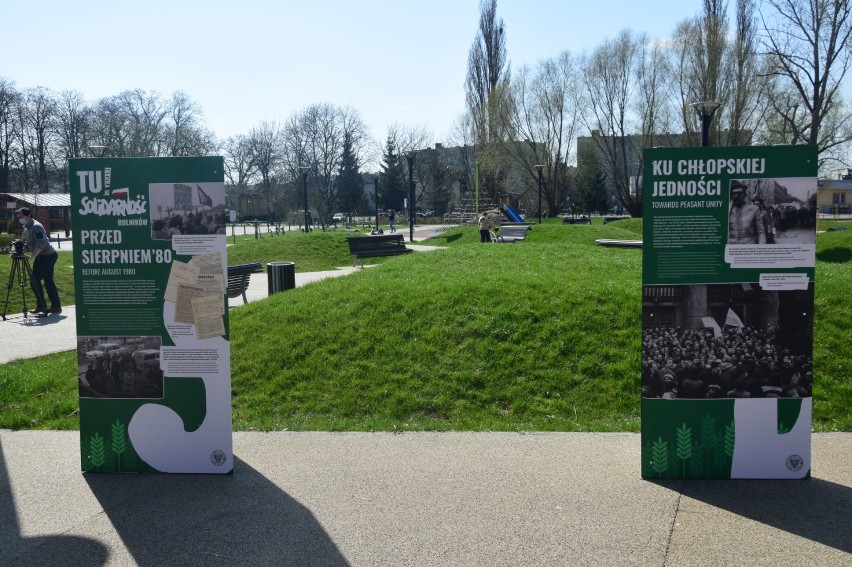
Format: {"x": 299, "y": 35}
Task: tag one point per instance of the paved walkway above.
{"x": 418, "y": 499}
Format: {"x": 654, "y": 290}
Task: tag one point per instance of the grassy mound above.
{"x": 533, "y": 336}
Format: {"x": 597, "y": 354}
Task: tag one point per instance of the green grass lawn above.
{"x": 313, "y": 252}
{"x": 539, "y": 335}
{"x": 63, "y": 275}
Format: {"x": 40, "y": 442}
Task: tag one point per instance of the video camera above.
{"x": 18, "y": 247}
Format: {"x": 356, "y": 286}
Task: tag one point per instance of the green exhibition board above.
{"x": 153, "y": 355}
{"x": 728, "y": 311}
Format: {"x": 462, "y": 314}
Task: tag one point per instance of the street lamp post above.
{"x": 98, "y": 151}
{"x": 539, "y": 168}
{"x": 410, "y": 156}
{"x": 706, "y": 110}
{"x": 304, "y": 169}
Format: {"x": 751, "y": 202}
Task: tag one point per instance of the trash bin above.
{"x": 281, "y": 276}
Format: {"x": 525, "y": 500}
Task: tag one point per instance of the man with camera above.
{"x": 44, "y": 259}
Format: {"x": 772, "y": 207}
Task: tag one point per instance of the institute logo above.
{"x": 795, "y": 463}
{"x": 218, "y": 458}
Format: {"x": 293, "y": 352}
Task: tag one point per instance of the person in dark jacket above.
{"x": 44, "y": 260}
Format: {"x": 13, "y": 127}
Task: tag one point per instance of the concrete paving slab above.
{"x": 422, "y": 499}
{"x": 771, "y": 523}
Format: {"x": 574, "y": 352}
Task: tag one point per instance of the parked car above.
{"x": 147, "y": 357}
{"x": 94, "y": 355}
{"x": 108, "y": 347}
{"x": 338, "y": 218}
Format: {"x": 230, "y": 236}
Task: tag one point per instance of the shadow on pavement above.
{"x": 34, "y": 551}
{"x": 211, "y": 520}
{"x": 815, "y": 509}
{"x": 37, "y": 320}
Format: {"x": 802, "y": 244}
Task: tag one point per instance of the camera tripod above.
{"x": 21, "y": 275}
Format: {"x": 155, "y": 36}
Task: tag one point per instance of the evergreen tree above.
{"x": 392, "y": 186}
{"x": 349, "y": 179}
{"x": 591, "y": 190}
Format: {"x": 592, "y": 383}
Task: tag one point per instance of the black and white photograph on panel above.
{"x": 772, "y": 211}
{"x": 726, "y": 341}
{"x": 119, "y": 367}
{"x": 187, "y": 208}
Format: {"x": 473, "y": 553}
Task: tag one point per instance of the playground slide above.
{"x": 512, "y": 214}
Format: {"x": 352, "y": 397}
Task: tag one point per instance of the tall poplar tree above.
{"x": 487, "y": 94}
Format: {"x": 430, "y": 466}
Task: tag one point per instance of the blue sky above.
{"x": 245, "y": 61}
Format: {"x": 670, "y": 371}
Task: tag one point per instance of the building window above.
{"x": 658, "y": 317}
{"x": 838, "y": 198}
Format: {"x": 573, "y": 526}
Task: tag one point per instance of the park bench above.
{"x": 615, "y": 218}
{"x": 374, "y": 246}
{"x": 512, "y": 233}
{"x": 238, "y": 279}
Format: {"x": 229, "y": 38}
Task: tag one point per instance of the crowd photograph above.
{"x": 726, "y": 341}
{"x": 181, "y": 209}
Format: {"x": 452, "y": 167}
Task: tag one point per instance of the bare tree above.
{"x": 546, "y": 116}
{"x": 807, "y": 42}
{"x": 137, "y": 123}
{"x": 239, "y": 165}
{"x": 9, "y": 97}
{"x": 264, "y": 142}
{"x": 699, "y": 58}
{"x": 417, "y": 139}
{"x": 462, "y": 165}
{"x": 131, "y": 124}
{"x": 146, "y": 114}
{"x": 185, "y": 133}
{"x": 36, "y": 113}
{"x": 747, "y": 107}
{"x": 314, "y": 138}
{"x": 72, "y": 124}
{"x": 487, "y": 94}
{"x": 110, "y": 127}
{"x": 317, "y": 133}
{"x": 622, "y": 87}
{"x": 711, "y": 60}
{"x": 40, "y": 130}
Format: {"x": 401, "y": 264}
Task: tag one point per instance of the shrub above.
{"x": 5, "y": 242}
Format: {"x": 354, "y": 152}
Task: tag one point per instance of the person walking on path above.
{"x": 44, "y": 260}
{"x": 392, "y": 220}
